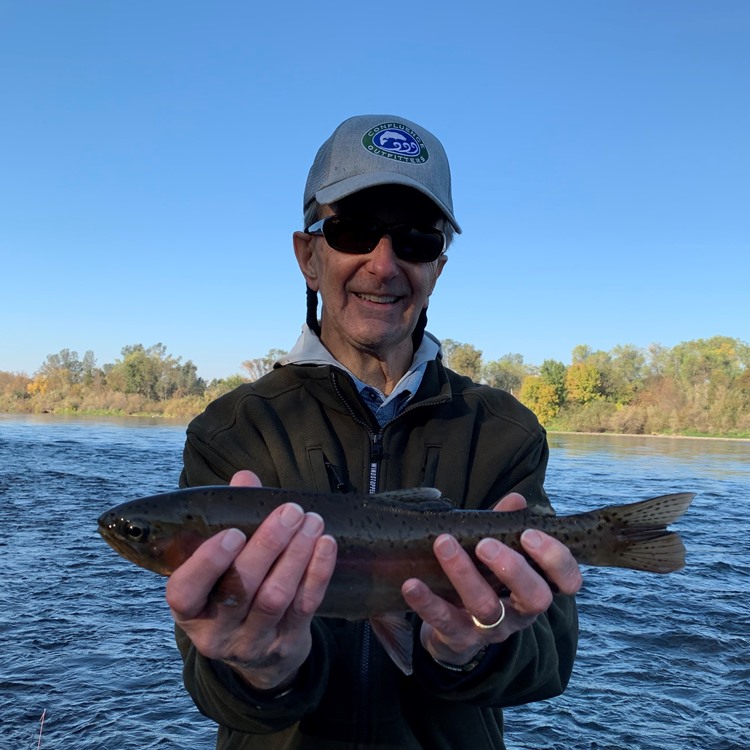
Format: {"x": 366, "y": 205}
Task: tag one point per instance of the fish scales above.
{"x": 385, "y": 539}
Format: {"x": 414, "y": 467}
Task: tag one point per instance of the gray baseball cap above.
{"x": 369, "y": 150}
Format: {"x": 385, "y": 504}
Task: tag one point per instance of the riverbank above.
{"x": 741, "y": 439}
{"x": 185, "y": 420}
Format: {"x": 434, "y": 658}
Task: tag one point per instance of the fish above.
{"x": 384, "y": 539}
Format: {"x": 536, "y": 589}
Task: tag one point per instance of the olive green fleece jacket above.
{"x": 304, "y": 427}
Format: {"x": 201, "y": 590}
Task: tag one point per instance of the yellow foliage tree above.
{"x": 583, "y": 382}
{"x": 541, "y": 397}
{"x": 38, "y": 386}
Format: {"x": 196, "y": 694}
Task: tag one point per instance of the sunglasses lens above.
{"x": 350, "y": 235}
{"x": 360, "y": 236}
{"x": 417, "y": 245}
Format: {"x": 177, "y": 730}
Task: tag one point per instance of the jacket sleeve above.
{"x": 532, "y": 665}
{"x": 222, "y": 696}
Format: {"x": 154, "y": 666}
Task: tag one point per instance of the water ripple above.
{"x": 663, "y": 660}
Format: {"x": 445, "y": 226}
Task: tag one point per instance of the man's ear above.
{"x": 441, "y": 261}
{"x": 304, "y": 251}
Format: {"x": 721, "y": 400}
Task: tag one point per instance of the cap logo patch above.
{"x": 394, "y": 140}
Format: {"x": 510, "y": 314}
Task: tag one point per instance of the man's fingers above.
{"x": 314, "y": 583}
{"x": 278, "y": 588}
{"x": 475, "y": 592}
{"x": 512, "y": 501}
{"x": 429, "y": 607}
{"x": 554, "y": 558}
{"x": 189, "y": 586}
{"x": 245, "y": 478}
{"x": 530, "y": 594}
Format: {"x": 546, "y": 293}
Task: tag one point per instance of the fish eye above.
{"x": 134, "y": 532}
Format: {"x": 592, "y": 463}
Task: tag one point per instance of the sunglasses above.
{"x": 361, "y": 236}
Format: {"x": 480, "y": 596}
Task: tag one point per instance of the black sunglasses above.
{"x": 360, "y": 236}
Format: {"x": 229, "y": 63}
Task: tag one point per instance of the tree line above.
{"x": 699, "y": 387}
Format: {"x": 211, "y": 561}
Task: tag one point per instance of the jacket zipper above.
{"x": 376, "y": 454}
{"x": 365, "y": 687}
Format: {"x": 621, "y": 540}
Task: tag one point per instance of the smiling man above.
{"x": 364, "y": 403}
{"x": 373, "y": 300}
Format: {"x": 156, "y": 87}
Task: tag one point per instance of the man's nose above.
{"x": 383, "y": 259}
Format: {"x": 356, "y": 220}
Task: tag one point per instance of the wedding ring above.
{"x": 482, "y": 626}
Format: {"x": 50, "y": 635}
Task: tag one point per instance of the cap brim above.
{"x": 352, "y": 185}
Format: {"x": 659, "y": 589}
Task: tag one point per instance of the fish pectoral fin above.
{"x": 396, "y": 635}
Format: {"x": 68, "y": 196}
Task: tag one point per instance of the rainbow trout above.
{"x": 385, "y": 539}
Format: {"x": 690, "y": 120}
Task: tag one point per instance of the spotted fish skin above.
{"x": 385, "y": 539}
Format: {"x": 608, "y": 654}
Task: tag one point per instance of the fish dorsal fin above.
{"x": 414, "y": 499}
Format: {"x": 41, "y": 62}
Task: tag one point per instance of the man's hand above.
{"x": 448, "y": 632}
{"x": 257, "y": 619}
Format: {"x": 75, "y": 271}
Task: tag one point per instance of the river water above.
{"x": 664, "y": 661}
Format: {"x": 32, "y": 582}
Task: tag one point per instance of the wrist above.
{"x": 466, "y": 667}
{"x": 262, "y": 681}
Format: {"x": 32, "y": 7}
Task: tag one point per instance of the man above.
{"x": 363, "y": 403}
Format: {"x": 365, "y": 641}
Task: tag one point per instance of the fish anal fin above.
{"x": 395, "y": 634}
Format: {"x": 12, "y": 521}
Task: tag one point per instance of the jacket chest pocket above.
{"x": 326, "y": 476}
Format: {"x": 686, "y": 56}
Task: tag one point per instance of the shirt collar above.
{"x": 309, "y": 350}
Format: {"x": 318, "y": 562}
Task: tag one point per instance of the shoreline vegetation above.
{"x": 698, "y": 389}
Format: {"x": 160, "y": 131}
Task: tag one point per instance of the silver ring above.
{"x": 482, "y": 626}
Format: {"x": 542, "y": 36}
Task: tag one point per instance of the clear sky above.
{"x": 153, "y": 155}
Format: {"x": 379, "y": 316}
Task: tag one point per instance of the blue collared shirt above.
{"x": 385, "y": 408}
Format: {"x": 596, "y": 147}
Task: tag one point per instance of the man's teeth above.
{"x": 377, "y": 298}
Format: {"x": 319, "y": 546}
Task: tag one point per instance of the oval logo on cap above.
{"x": 394, "y": 140}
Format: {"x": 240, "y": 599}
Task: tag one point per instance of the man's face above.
{"x": 371, "y": 303}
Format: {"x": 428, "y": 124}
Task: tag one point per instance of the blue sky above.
{"x": 153, "y": 156}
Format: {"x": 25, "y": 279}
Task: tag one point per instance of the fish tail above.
{"x": 637, "y": 536}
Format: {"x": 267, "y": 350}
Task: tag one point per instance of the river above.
{"x": 664, "y": 661}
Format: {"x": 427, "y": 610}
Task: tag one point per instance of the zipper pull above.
{"x": 376, "y": 449}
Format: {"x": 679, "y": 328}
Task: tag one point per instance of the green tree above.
{"x": 61, "y": 369}
{"x": 709, "y": 373}
{"x": 467, "y": 360}
{"x": 154, "y": 374}
{"x": 658, "y": 359}
{"x": 464, "y": 359}
{"x": 554, "y": 373}
{"x": 506, "y": 373}
{"x": 258, "y": 367}
{"x": 89, "y": 371}
{"x": 447, "y": 347}
{"x": 626, "y": 373}
{"x": 580, "y": 354}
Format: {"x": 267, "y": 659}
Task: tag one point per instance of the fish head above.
{"x": 131, "y": 537}
{"x": 147, "y": 540}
